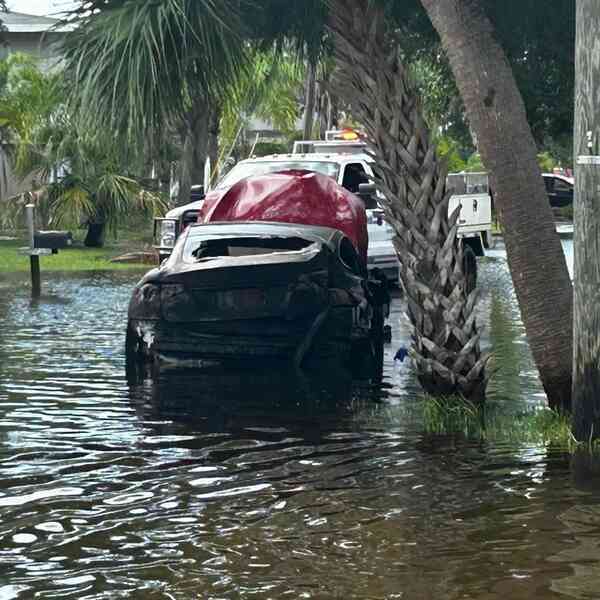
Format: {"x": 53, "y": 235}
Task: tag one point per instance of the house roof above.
{"x": 16, "y": 22}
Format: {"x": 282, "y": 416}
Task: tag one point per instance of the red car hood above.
{"x": 302, "y": 197}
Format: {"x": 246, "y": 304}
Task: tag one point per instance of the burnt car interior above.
{"x": 216, "y": 248}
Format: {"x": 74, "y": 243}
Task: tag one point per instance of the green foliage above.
{"x": 28, "y": 101}
{"x": 539, "y": 42}
{"x": 546, "y": 162}
{"x": 268, "y": 90}
{"x": 474, "y": 164}
{"x": 137, "y": 66}
{"x": 75, "y": 175}
{"x": 448, "y": 149}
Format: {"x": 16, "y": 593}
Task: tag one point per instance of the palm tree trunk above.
{"x": 213, "y": 141}
{"x": 195, "y": 147}
{"x": 309, "y": 108}
{"x": 95, "y": 235}
{"x": 372, "y": 77}
{"x": 497, "y": 116}
{"x": 586, "y": 324}
{"x": 185, "y": 168}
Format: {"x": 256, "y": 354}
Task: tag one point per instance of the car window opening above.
{"x": 252, "y": 246}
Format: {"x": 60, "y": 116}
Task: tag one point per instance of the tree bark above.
{"x": 309, "y": 108}
{"x": 496, "y": 113}
{"x": 195, "y": 141}
{"x": 586, "y": 323}
{"x": 372, "y": 77}
{"x": 213, "y": 141}
{"x": 95, "y": 235}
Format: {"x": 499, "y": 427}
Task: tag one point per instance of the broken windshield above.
{"x": 243, "y": 170}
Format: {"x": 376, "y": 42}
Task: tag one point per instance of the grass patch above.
{"x": 459, "y": 416}
{"x": 76, "y": 258}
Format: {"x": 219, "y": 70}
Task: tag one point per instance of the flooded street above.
{"x": 262, "y": 485}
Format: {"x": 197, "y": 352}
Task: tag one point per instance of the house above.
{"x": 31, "y": 34}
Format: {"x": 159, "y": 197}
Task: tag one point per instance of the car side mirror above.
{"x": 367, "y": 192}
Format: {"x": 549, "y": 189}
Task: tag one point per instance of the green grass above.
{"x": 459, "y": 416}
{"x": 77, "y": 258}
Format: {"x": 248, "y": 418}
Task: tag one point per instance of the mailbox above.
{"x": 53, "y": 240}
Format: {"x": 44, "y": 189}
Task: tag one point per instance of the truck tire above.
{"x": 485, "y": 239}
{"x": 470, "y": 267}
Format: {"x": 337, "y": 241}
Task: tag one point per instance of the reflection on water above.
{"x": 263, "y": 484}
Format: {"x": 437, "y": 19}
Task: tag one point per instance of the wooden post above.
{"x": 586, "y": 318}
{"x": 34, "y": 260}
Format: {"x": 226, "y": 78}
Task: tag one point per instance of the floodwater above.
{"x": 261, "y": 485}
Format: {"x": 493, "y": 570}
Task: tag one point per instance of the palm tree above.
{"x": 269, "y": 90}
{"x": 150, "y": 70}
{"x": 441, "y": 308}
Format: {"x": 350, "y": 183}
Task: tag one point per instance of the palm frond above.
{"x": 135, "y": 65}
{"x": 71, "y": 202}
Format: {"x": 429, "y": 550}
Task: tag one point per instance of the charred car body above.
{"x": 254, "y": 281}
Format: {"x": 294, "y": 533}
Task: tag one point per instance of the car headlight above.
{"x": 167, "y": 234}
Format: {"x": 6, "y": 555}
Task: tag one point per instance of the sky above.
{"x": 39, "y": 7}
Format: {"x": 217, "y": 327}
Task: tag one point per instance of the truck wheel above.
{"x": 470, "y": 268}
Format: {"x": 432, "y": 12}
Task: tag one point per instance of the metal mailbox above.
{"x": 52, "y": 240}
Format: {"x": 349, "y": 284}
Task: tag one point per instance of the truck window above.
{"x": 561, "y": 186}
{"x": 354, "y": 175}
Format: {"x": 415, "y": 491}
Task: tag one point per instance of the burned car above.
{"x": 256, "y": 290}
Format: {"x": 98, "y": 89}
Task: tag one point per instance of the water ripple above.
{"x": 256, "y": 485}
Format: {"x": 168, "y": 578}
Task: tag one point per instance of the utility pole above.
{"x": 586, "y": 317}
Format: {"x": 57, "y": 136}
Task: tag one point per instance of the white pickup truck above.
{"x": 347, "y": 162}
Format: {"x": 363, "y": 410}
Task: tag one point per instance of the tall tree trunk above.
{"x": 586, "y": 323}
{"x": 185, "y": 168}
{"x": 326, "y": 103}
{"x": 213, "y": 141}
{"x": 309, "y": 105}
{"x": 372, "y": 77}
{"x": 95, "y": 236}
{"x": 497, "y": 116}
{"x": 195, "y": 138}
{"x": 323, "y": 109}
